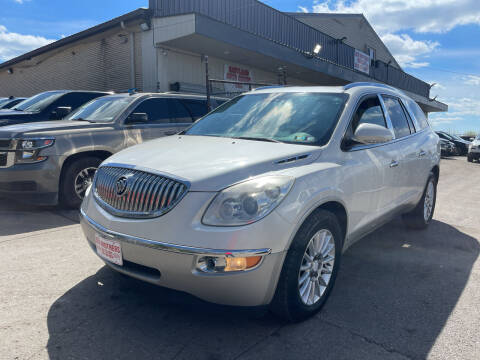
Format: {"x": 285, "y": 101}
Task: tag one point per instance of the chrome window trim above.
{"x": 387, "y": 116}
{"x": 143, "y": 215}
{"x": 162, "y": 246}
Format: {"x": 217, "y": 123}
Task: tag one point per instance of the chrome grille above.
{"x": 136, "y": 194}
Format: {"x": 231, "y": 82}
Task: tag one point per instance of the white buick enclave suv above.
{"x": 256, "y": 202}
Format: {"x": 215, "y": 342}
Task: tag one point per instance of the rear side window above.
{"x": 197, "y": 108}
{"x": 369, "y": 112}
{"x": 179, "y": 113}
{"x": 419, "y": 117}
{"x": 156, "y": 110}
{"x": 397, "y": 116}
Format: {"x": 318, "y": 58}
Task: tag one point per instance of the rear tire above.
{"x": 420, "y": 217}
{"x": 76, "y": 178}
{"x": 314, "y": 258}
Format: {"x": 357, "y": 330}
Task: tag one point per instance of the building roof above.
{"x": 133, "y": 15}
{"x": 359, "y": 17}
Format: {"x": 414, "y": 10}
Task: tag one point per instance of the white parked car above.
{"x": 256, "y": 202}
{"x": 474, "y": 150}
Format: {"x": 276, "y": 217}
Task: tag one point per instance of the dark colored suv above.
{"x": 460, "y": 144}
{"x": 50, "y": 105}
{"x": 8, "y": 103}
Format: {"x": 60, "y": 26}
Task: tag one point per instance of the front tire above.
{"x": 420, "y": 217}
{"x": 310, "y": 268}
{"x": 469, "y": 158}
{"x": 77, "y": 177}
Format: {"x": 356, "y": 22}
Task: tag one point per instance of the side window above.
{"x": 178, "y": 112}
{"x": 197, "y": 108}
{"x": 369, "y": 112}
{"x": 156, "y": 110}
{"x": 74, "y": 100}
{"x": 397, "y": 116}
{"x": 420, "y": 119}
{"x": 412, "y": 126}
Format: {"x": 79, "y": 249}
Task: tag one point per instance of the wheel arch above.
{"x": 335, "y": 206}
{"x": 101, "y": 154}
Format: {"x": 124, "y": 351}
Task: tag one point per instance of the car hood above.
{"x": 213, "y": 163}
{"x": 45, "y": 128}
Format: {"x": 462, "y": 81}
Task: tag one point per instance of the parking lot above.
{"x": 400, "y": 294}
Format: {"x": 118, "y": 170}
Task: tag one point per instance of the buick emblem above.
{"x": 121, "y": 186}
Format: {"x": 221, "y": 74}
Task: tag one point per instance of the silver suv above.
{"x": 474, "y": 150}
{"x": 56, "y": 160}
{"x": 256, "y": 202}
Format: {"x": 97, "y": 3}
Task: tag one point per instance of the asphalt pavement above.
{"x": 400, "y": 294}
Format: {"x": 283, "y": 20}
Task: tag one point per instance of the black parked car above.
{"x": 460, "y": 144}
{"x": 8, "y": 103}
{"x": 50, "y": 105}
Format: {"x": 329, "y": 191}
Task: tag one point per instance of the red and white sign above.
{"x": 362, "y": 62}
{"x": 235, "y": 73}
{"x": 109, "y": 250}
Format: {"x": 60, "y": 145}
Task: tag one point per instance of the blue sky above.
{"x": 435, "y": 40}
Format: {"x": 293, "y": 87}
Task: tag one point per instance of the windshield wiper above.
{"x": 258, "y": 139}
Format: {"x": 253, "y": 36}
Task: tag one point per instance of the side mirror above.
{"x": 60, "y": 112}
{"x": 372, "y": 134}
{"x": 137, "y": 118}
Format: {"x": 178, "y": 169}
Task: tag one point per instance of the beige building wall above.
{"x": 100, "y": 62}
{"x": 355, "y": 27}
{"x": 180, "y": 66}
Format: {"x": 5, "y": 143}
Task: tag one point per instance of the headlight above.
{"x": 247, "y": 202}
{"x": 28, "y": 150}
{"x": 34, "y": 144}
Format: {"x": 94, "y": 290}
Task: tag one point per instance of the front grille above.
{"x": 3, "y": 159}
{"x": 136, "y": 194}
{"x": 5, "y": 144}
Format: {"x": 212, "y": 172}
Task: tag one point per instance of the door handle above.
{"x": 394, "y": 164}
{"x": 422, "y": 153}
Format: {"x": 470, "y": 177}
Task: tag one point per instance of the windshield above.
{"x": 478, "y": 137}
{"x": 38, "y": 102}
{"x": 104, "y": 109}
{"x": 3, "y": 101}
{"x": 298, "y": 118}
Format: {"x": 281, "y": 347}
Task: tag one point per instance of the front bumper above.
{"x": 35, "y": 183}
{"x": 174, "y": 266}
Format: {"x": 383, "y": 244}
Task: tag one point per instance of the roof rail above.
{"x": 269, "y": 87}
{"x": 357, "y": 84}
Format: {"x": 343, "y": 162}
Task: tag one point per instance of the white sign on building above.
{"x": 236, "y": 73}
{"x": 362, "y": 62}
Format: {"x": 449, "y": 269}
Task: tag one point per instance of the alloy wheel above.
{"x": 429, "y": 201}
{"x": 317, "y": 267}
{"x": 83, "y": 180}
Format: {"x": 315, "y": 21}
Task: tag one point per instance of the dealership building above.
{"x": 170, "y": 46}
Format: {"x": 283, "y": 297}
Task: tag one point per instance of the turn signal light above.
{"x": 242, "y": 263}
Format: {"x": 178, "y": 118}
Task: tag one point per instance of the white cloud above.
{"x": 424, "y": 16}
{"x": 406, "y": 50}
{"x": 472, "y": 80}
{"x": 14, "y": 44}
{"x": 303, "y": 9}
